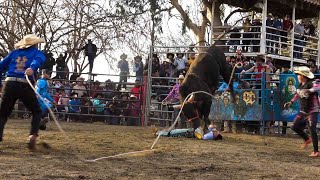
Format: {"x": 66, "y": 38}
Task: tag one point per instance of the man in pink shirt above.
{"x": 309, "y": 107}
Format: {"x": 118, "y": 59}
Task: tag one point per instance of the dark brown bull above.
{"x": 204, "y": 75}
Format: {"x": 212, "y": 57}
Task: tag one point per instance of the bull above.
{"x": 204, "y": 75}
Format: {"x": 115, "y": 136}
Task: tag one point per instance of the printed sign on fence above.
{"x": 246, "y": 106}
{"x": 288, "y": 87}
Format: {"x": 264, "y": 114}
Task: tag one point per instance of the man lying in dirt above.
{"x": 213, "y": 133}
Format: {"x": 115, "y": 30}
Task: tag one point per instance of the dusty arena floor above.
{"x": 236, "y": 157}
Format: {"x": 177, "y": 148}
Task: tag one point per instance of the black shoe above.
{"x": 43, "y": 123}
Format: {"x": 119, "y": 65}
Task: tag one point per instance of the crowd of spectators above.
{"x": 277, "y": 35}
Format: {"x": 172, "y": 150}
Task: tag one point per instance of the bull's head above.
{"x": 190, "y": 111}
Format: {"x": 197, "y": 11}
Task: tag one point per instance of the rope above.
{"x": 196, "y": 92}
{"x": 50, "y": 110}
{"x": 118, "y": 155}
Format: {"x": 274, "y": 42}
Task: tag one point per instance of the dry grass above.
{"x": 236, "y": 157}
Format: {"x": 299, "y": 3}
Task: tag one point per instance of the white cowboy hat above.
{"x": 181, "y": 76}
{"x": 304, "y": 71}
{"x": 28, "y": 40}
{"x": 133, "y": 96}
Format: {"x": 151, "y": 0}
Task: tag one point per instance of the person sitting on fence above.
{"x": 74, "y": 106}
{"x": 99, "y": 105}
{"x": 42, "y": 89}
{"x": 309, "y": 108}
{"x": 133, "y": 111}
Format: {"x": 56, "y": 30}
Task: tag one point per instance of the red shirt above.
{"x": 56, "y": 98}
{"x": 287, "y": 25}
{"x": 136, "y": 90}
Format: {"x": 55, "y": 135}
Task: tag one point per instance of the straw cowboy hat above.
{"x": 304, "y": 71}
{"x": 123, "y": 56}
{"x": 28, "y": 41}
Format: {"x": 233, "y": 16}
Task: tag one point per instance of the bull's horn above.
{"x": 177, "y": 106}
{"x": 191, "y": 98}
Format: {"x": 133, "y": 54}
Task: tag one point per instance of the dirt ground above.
{"x": 238, "y": 156}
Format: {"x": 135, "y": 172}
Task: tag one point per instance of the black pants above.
{"x": 11, "y": 92}
{"x": 123, "y": 78}
{"x": 300, "y": 122}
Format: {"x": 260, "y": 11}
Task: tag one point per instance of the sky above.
{"x": 171, "y": 28}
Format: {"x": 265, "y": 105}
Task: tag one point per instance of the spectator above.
{"x": 270, "y": 31}
{"x": 61, "y": 65}
{"x": 74, "y": 106}
{"x": 311, "y": 64}
{"x": 287, "y": 26}
{"x": 95, "y": 89}
{"x": 180, "y": 64}
{"x": 246, "y": 35}
{"x": 90, "y": 50}
{"x": 79, "y": 88}
{"x": 256, "y": 34}
{"x": 309, "y": 29}
{"x": 137, "y": 89}
{"x": 115, "y": 111}
{"x": 287, "y": 96}
{"x": 86, "y": 108}
{"x": 269, "y": 61}
{"x": 74, "y": 76}
{"x": 191, "y": 57}
{"x": 298, "y": 37}
{"x": 50, "y": 61}
{"x": 99, "y": 106}
{"x": 133, "y": 111}
{"x": 123, "y": 65}
{"x": 138, "y": 67}
{"x": 234, "y": 39}
{"x": 286, "y": 69}
{"x": 63, "y": 103}
{"x": 279, "y": 26}
{"x": 108, "y": 89}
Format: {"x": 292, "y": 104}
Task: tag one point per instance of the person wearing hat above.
{"x": 309, "y": 107}
{"x": 43, "y": 89}
{"x": 174, "y": 97}
{"x": 180, "y": 63}
{"x": 138, "y": 67}
{"x": 79, "y": 88}
{"x": 133, "y": 111}
{"x": 26, "y": 59}
{"x": 123, "y": 65}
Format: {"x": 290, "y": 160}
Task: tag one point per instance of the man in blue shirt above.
{"x": 25, "y": 60}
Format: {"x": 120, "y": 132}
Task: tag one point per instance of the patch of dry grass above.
{"x": 236, "y": 157}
